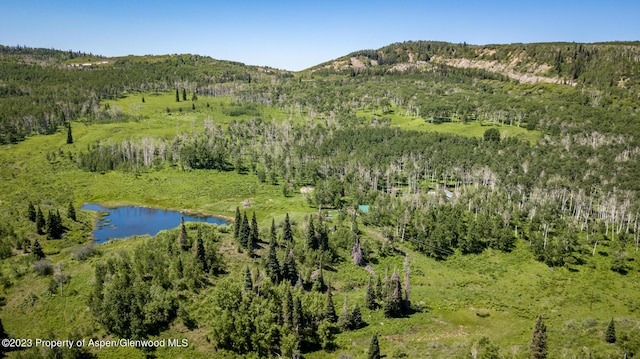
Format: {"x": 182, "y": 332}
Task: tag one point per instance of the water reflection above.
{"x": 129, "y": 221}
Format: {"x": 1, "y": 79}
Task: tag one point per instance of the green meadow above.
{"x": 458, "y": 301}
{"x": 456, "y": 127}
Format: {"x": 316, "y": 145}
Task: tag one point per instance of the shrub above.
{"x": 83, "y": 253}
{"x": 43, "y": 267}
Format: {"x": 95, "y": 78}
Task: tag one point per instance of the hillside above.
{"x": 439, "y": 196}
{"x": 41, "y": 89}
{"x": 600, "y": 64}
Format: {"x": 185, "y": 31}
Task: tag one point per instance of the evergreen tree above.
{"x": 318, "y": 283}
{"x": 344, "y": 321}
{"x": 182, "y": 237}
{"x": 273, "y": 266}
{"x": 274, "y": 237}
{"x": 184, "y": 94}
{"x": 32, "y": 212}
{"x": 36, "y": 250}
{"x": 322, "y": 234}
{"x": 201, "y": 255}
{"x": 538, "y": 344}
{"x": 329, "y": 309}
{"x": 312, "y": 240}
{"x": 298, "y": 316}
{"x": 356, "y": 318}
{"x": 254, "y": 234}
{"x": 54, "y": 225}
{"x": 40, "y": 222}
{"x": 287, "y": 235}
{"x": 237, "y": 224}
{"x": 393, "y": 302}
{"x": 248, "y": 282}
{"x": 177, "y": 96}
{"x": 380, "y": 292}
{"x": 71, "y": 212}
{"x": 245, "y": 231}
{"x": 371, "y": 296}
{"x": 287, "y": 308}
{"x": 69, "y": 135}
{"x": 374, "y": 348}
{"x": 611, "y": 332}
{"x": 289, "y": 270}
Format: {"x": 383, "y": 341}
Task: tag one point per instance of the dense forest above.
{"x": 353, "y": 189}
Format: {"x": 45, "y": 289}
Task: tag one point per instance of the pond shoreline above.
{"x": 124, "y": 221}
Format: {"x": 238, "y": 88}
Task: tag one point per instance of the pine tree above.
{"x": 374, "y": 348}
{"x": 40, "y": 222}
{"x": 611, "y": 332}
{"x": 69, "y": 135}
{"x": 273, "y": 266}
{"x": 356, "y": 318}
{"x": 248, "y": 282}
{"x": 318, "y": 283}
{"x": 321, "y": 234}
{"x": 274, "y": 237}
{"x": 254, "y": 234}
{"x": 59, "y": 229}
{"x": 177, "y": 96}
{"x": 393, "y": 303}
{"x": 245, "y": 231}
{"x": 538, "y": 344}
{"x": 50, "y": 225}
{"x": 298, "y": 316}
{"x": 201, "y": 255}
{"x": 344, "y": 321}
{"x": 329, "y": 309}
{"x": 32, "y": 212}
{"x": 71, "y": 212}
{"x": 312, "y": 240}
{"x": 36, "y": 250}
{"x": 287, "y": 308}
{"x": 380, "y": 292}
{"x": 184, "y": 94}
{"x": 54, "y": 225}
{"x": 371, "y": 296}
{"x": 237, "y": 224}
{"x": 287, "y": 235}
{"x": 289, "y": 270}
{"x": 182, "y": 237}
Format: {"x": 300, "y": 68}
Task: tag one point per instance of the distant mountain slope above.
{"x": 602, "y": 65}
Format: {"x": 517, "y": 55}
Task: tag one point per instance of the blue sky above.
{"x": 295, "y": 35}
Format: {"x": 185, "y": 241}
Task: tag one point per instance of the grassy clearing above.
{"x": 160, "y": 110}
{"x": 469, "y": 129}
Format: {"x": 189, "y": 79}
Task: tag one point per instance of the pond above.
{"x": 126, "y": 221}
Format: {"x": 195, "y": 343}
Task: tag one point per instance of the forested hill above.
{"x": 611, "y": 66}
{"x": 40, "y": 89}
